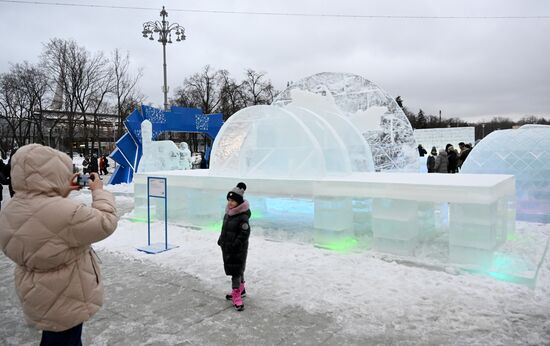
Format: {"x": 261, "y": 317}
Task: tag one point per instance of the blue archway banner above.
{"x": 129, "y": 148}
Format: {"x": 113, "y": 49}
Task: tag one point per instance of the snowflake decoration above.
{"x": 201, "y": 122}
{"x": 156, "y": 116}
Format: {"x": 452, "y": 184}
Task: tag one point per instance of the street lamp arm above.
{"x": 164, "y": 30}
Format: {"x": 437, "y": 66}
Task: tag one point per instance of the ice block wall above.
{"x": 440, "y": 137}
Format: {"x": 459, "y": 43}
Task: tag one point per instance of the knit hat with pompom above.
{"x": 237, "y": 193}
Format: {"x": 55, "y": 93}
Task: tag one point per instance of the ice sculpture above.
{"x": 186, "y": 162}
{"x": 383, "y": 123}
{"x": 525, "y": 153}
{"x": 161, "y": 155}
{"x": 309, "y": 170}
{"x": 305, "y": 138}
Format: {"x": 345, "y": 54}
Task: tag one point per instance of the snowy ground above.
{"x": 361, "y": 288}
{"x": 365, "y": 294}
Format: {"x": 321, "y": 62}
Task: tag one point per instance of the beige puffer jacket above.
{"x": 48, "y": 236}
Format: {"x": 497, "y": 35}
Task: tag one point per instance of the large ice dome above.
{"x": 376, "y": 114}
{"x": 525, "y": 153}
{"x": 303, "y": 139}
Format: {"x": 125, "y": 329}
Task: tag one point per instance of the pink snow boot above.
{"x": 241, "y": 288}
{"x": 236, "y": 298}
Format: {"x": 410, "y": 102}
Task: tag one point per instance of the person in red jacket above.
{"x": 103, "y": 164}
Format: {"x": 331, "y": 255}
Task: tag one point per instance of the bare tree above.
{"x": 12, "y": 111}
{"x": 22, "y": 94}
{"x": 34, "y": 83}
{"x": 231, "y": 95}
{"x": 62, "y": 59}
{"x": 201, "y": 90}
{"x": 97, "y": 83}
{"x": 86, "y": 81}
{"x": 125, "y": 87}
{"x": 256, "y": 89}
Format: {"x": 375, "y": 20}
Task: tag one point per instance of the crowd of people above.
{"x": 94, "y": 165}
{"x": 447, "y": 160}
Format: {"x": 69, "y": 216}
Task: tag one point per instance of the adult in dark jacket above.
{"x": 421, "y": 150}
{"x": 233, "y": 241}
{"x": 430, "y": 162}
{"x": 452, "y": 157}
{"x": 464, "y": 152}
{"x": 7, "y": 173}
{"x": 204, "y": 162}
{"x": 93, "y": 166}
{"x": 3, "y": 180}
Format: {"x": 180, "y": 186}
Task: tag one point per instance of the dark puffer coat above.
{"x": 452, "y": 156}
{"x": 234, "y": 239}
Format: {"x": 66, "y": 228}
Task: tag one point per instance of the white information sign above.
{"x": 157, "y": 187}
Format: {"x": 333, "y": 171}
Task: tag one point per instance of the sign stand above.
{"x": 156, "y": 187}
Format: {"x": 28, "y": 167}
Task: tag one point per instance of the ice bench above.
{"x": 403, "y": 208}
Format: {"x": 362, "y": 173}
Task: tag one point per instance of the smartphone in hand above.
{"x": 84, "y": 180}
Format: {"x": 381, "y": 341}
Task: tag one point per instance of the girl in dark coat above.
{"x": 233, "y": 241}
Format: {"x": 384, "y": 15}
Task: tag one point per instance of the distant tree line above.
{"x": 84, "y": 86}
{"x": 421, "y": 120}
{"x": 72, "y": 81}
{"x": 215, "y": 91}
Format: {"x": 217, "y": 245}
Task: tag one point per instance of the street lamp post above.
{"x": 164, "y": 30}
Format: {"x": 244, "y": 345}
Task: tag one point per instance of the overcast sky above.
{"x": 467, "y": 68}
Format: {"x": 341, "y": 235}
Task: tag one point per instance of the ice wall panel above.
{"x": 440, "y": 137}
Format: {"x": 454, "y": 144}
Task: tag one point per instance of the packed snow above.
{"x": 362, "y": 288}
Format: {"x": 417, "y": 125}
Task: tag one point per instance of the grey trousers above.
{"x": 236, "y": 281}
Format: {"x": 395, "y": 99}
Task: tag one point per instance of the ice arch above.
{"x": 525, "y": 153}
{"x": 292, "y": 141}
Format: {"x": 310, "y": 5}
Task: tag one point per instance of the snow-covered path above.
{"x": 298, "y": 294}
{"x": 367, "y": 296}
